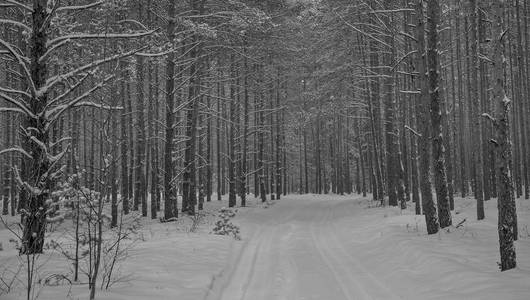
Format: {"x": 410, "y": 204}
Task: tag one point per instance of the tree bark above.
{"x": 424, "y": 124}
{"x": 440, "y": 172}
{"x": 506, "y": 202}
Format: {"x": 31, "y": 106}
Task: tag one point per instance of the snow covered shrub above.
{"x": 224, "y": 226}
{"x": 196, "y": 221}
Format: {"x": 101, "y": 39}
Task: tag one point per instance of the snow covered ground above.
{"x": 310, "y": 247}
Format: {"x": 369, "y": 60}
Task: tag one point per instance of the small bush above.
{"x": 224, "y": 226}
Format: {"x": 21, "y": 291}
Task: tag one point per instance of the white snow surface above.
{"x": 303, "y": 247}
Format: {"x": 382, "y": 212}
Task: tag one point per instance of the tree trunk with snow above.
{"x": 506, "y": 200}
{"x": 35, "y": 139}
{"x": 170, "y": 192}
{"x": 428, "y": 206}
{"x": 440, "y": 172}
{"x": 476, "y": 110}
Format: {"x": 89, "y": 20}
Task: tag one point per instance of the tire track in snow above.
{"x": 335, "y": 267}
{"x": 237, "y": 285}
{"x": 362, "y": 275}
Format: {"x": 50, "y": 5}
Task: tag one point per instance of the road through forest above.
{"x": 297, "y": 250}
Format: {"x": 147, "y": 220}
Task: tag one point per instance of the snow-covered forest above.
{"x": 264, "y": 149}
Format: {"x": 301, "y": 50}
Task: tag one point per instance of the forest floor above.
{"x": 303, "y": 247}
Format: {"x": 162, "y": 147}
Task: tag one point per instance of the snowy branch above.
{"x": 19, "y": 104}
{"x": 54, "y": 114}
{"x": 489, "y": 117}
{"x": 22, "y": 60}
{"x": 11, "y": 109}
{"x": 51, "y": 49}
{"x": 16, "y": 23}
{"x": 19, "y": 150}
{"x": 413, "y": 131}
{"x": 11, "y": 3}
{"x": 362, "y": 32}
{"x": 96, "y": 105}
{"x": 403, "y": 58}
{"x": 398, "y": 10}
{"x": 12, "y": 91}
{"x": 69, "y": 91}
{"x": 139, "y": 24}
{"x": 79, "y": 7}
{"x": 410, "y": 92}
{"x": 51, "y": 43}
{"x": 51, "y": 82}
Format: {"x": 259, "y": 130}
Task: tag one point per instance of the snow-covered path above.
{"x": 321, "y": 247}
{"x": 336, "y": 248}
{"x": 295, "y": 252}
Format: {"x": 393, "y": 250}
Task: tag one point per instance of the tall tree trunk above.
{"x": 139, "y": 164}
{"x": 231, "y": 139}
{"x": 124, "y": 143}
{"x": 278, "y": 139}
{"x": 433, "y": 62}
{"x": 33, "y": 220}
{"x": 506, "y": 202}
{"x": 244, "y": 155}
{"x": 476, "y": 111}
{"x": 424, "y": 123}
{"x": 189, "y": 177}
{"x": 170, "y": 193}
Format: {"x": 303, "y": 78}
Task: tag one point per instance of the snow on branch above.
{"x": 52, "y": 81}
{"x": 54, "y": 113}
{"x": 96, "y": 105}
{"x": 51, "y": 49}
{"x": 35, "y": 191}
{"x": 12, "y": 91}
{"x": 362, "y": 32}
{"x": 16, "y": 23}
{"x": 54, "y": 159}
{"x": 490, "y": 117}
{"x": 132, "y": 21}
{"x": 79, "y": 7}
{"x": 403, "y": 58}
{"x": 19, "y": 150}
{"x": 413, "y": 131}
{"x": 59, "y": 142}
{"x": 13, "y": 3}
{"x": 19, "y": 104}
{"x": 411, "y": 92}
{"x": 11, "y": 109}
{"x": 22, "y": 60}
{"x": 51, "y": 43}
{"x": 69, "y": 91}
{"x": 384, "y": 11}
{"x": 39, "y": 143}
